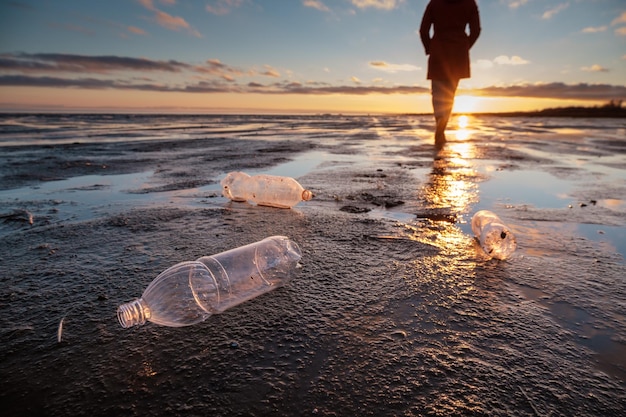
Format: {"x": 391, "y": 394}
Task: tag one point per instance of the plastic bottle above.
{"x": 495, "y": 237}
{"x": 264, "y": 190}
{"x": 189, "y": 292}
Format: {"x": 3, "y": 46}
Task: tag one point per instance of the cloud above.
{"x": 594, "y": 29}
{"x": 377, "y": 4}
{"x": 168, "y": 21}
{"x": 549, "y": 14}
{"x": 555, "y": 90}
{"x": 63, "y": 71}
{"x": 270, "y": 72}
{"x": 621, "y": 31}
{"x": 148, "y": 4}
{"x": 514, "y": 60}
{"x": 620, "y": 19}
{"x": 582, "y": 91}
{"x": 316, "y": 4}
{"x": 69, "y": 63}
{"x": 136, "y": 30}
{"x": 222, "y": 7}
{"x": 484, "y": 64}
{"x": 595, "y": 68}
{"x": 216, "y": 68}
{"x": 514, "y": 4}
{"x": 393, "y": 68}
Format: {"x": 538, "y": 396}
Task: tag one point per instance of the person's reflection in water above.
{"x": 449, "y": 53}
{"x": 452, "y": 183}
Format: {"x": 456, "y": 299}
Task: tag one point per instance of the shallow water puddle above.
{"x": 305, "y": 163}
{"x": 610, "y": 238}
{"x": 78, "y": 198}
{"x": 610, "y": 355}
{"x": 534, "y": 188}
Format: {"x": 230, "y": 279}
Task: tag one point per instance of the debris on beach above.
{"x": 18, "y": 216}
{"x": 495, "y": 238}
{"x": 264, "y": 190}
{"x": 190, "y": 292}
{"x": 60, "y": 331}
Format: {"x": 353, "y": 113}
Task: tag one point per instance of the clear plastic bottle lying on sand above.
{"x": 190, "y": 292}
{"x": 495, "y": 237}
{"x": 264, "y": 190}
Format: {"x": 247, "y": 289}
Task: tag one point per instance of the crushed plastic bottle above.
{"x": 495, "y": 238}
{"x": 189, "y": 292}
{"x": 264, "y": 190}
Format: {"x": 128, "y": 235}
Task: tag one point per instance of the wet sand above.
{"x": 395, "y": 310}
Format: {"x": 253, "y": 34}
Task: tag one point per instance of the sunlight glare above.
{"x": 463, "y": 122}
{"x": 463, "y": 131}
{"x": 465, "y": 104}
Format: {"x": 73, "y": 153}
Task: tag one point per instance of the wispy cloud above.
{"x": 501, "y": 60}
{"x": 223, "y": 7}
{"x": 216, "y": 68}
{"x": 377, "y": 4}
{"x": 594, "y": 29}
{"x": 581, "y": 91}
{"x": 387, "y": 67}
{"x": 549, "y": 14}
{"x": 270, "y": 72}
{"x": 316, "y": 4}
{"x": 68, "y": 63}
{"x": 513, "y": 60}
{"x": 595, "y": 68}
{"x": 213, "y": 76}
{"x": 166, "y": 20}
{"x": 136, "y": 30}
{"x": 514, "y": 4}
{"x": 620, "y": 19}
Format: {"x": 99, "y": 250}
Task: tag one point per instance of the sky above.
{"x": 295, "y": 56}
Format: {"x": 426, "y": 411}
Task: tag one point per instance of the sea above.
{"x": 395, "y": 310}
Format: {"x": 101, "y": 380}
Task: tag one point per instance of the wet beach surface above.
{"x": 394, "y": 311}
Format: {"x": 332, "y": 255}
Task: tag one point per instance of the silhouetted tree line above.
{"x": 611, "y": 109}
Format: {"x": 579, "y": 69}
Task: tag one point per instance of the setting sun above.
{"x": 466, "y": 104}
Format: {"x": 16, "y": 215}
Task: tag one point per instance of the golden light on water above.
{"x": 463, "y": 122}
{"x": 463, "y": 131}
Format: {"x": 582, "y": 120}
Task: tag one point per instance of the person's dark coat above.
{"x": 449, "y": 47}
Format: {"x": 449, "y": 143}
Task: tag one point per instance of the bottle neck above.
{"x": 133, "y": 314}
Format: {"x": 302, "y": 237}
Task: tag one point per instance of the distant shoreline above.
{"x": 606, "y": 111}
{"x": 588, "y": 112}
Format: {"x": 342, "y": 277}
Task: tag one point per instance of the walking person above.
{"x": 448, "y": 51}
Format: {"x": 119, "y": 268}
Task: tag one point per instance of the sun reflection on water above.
{"x": 452, "y": 180}
{"x": 463, "y": 131}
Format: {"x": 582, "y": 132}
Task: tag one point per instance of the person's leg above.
{"x": 443, "y": 92}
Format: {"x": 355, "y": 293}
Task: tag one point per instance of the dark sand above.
{"x": 395, "y": 311}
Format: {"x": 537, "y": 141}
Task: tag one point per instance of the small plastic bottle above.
{"x": 189, "y": 292}
{"x": 264, "y": 190}
{"x": 494, "y": 236}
